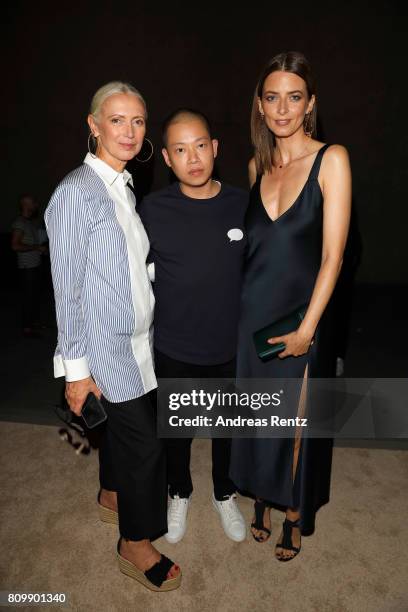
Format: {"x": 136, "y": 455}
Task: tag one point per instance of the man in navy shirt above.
{"x": 195, "y": 227}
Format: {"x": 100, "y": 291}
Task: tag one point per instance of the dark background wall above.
{"x": 209, "y": 56}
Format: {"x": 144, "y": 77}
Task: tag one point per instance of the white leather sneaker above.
{"x": 231, "y": 518}
{"x": 177, "y": 518}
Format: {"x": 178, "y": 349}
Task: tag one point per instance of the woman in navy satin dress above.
{"x": 297, "y": 224}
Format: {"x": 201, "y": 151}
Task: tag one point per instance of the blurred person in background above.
{"x": 28, "y": 242}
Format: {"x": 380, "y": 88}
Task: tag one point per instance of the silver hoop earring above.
{"x": 89, "y": 145}
{"x": 151, "y": 152}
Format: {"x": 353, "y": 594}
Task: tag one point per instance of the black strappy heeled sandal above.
{"x": 258, "y": 523}
{"x": 287, "y": 543}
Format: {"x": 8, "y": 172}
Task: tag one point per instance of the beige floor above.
{"x": 52, "y": 541}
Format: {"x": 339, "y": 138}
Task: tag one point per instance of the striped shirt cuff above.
{"x": 72, "y": 369}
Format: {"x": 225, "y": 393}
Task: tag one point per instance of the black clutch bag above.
{"x": 283, "y": 326}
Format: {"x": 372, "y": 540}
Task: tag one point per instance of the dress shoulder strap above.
{"x": 314, "y": 173}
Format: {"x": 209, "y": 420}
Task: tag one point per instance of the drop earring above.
{"x": 307, "y": 124}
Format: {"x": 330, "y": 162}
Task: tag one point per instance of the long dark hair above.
{"x": 263, "y": 139}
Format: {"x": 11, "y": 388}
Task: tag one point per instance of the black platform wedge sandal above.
{"x": 154, "y": 578}
{"x": 106, "y": 515}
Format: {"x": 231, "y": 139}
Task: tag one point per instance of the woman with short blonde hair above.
{"x": 104, "y": 306}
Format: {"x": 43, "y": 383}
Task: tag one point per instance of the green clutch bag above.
{"x": 283, "y": 326}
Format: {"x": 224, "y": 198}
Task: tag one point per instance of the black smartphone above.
{"x": 93, "y": 411}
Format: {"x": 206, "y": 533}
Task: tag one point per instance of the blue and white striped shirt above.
{"x": 103, "y": 295}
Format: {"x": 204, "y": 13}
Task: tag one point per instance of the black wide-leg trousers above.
{"x": 179, "y": 449}
{"x": 132, "y": 462}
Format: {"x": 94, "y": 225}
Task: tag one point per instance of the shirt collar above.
{"x": 106, "y": 172}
